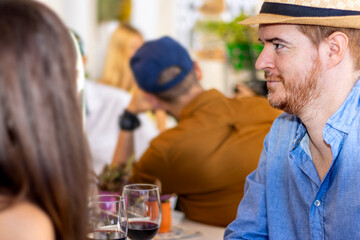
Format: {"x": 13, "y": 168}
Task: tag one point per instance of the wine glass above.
{"x": 107, "y": 218}
{"x": 143, "y": 210}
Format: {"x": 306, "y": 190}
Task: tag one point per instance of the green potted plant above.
{"x": 113, "y": 179}
{"x": 241, "y": 40}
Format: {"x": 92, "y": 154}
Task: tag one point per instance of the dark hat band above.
{"x": 303, "y": 11}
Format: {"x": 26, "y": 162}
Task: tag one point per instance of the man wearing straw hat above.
{"x": 307, "y": 184}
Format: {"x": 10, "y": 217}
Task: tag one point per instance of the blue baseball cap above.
{"x": 153, "y": 57}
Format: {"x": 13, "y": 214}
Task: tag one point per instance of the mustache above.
{"x": 273, "y": 77}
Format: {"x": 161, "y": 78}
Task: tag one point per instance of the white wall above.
{"x": 166, "y": 18}
{"x": 154, "y": 18}
{"x": 79, "y": 15}
{"x": 144, "y": 17}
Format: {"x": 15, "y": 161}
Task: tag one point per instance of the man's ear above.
{"x": 337, "y": 45}
{"x": 198, "y": 71}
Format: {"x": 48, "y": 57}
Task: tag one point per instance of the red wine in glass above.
{"x": 106, "y": 235}
{"x": 142, "y": 230}
{"x": 143, "y": 210}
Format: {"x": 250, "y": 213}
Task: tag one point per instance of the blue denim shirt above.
{"x": 284, "y": 197}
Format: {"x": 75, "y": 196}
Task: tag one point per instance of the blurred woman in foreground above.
{"x": 44, "y": 159}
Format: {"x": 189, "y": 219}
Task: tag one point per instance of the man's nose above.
{"x": 265, "y": 60}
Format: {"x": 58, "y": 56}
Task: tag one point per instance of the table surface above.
{"x": 195, "y": 230}
{"x": 200, "y": 231}
{"x": 207, "y": 232}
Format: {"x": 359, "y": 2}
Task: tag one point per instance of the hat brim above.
{"x": 342, "y": 21}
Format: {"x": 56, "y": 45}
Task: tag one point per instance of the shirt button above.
{"x": 317, "y": 203}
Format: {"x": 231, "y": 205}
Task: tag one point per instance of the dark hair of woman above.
{"x": 44, "y": 157}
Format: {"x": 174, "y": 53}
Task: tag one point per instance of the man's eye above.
{"x": 278, "y": 46}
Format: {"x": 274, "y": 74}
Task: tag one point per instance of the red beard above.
{"x": 298, "y": 92}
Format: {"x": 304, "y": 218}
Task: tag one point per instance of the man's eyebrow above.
{"x": 275, "y": 39}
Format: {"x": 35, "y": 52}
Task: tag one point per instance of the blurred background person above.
{"x": 117, "y": 73}
{"x": 123, "y": 44}
{"x": 44, "y": 158}
{"x": 104, "y": 104}
{"x": 205, "y": 158}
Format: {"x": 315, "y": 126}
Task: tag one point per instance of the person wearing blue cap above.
{"x": 216, "y": 143}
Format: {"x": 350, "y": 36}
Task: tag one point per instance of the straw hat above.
{"x": 333, "y": 13}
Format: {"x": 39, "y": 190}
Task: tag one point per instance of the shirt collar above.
{"x": 343, "y": 118}
{"x": 337, "y": 126}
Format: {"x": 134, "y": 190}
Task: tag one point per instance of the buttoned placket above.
{"x": 317, "y": 211}
{"x": 317, "y": 207}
